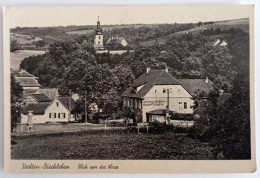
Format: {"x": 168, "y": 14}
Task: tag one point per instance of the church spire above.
{"x": 98, "y": 29}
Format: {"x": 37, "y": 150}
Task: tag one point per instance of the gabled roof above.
{"x": 40, "y": 97}
{"x": 148, "y": 80}
{"x": 119, "y": 39}
{"x": 37, "y": 109}
{"x": 50, "y": 92}
{"x": 191, "y": 85}
{"x": 23, "y": 73}
{"x": 68, "y": 102}
{"x": 27, "y": 81}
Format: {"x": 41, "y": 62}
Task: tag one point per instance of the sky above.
{"x": 87, "y": 15}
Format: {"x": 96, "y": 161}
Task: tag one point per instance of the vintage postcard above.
{"x": 129, "y": 89}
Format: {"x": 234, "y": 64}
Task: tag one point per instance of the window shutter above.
{"x": 49, "y": 115}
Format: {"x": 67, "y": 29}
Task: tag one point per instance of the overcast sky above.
{"x": 87, "y": 15}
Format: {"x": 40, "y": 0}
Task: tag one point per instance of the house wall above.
{"x": 124, "y": 42}
{"x": 53, "y": 108}
{"x": 31, "y": 88}
{"x": 156, "y": 98}
{"x": 37, "y": 119}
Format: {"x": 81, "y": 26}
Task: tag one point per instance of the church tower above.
{"x": 98, "y": 41}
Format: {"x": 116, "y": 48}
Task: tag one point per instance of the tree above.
{"x": 14, "y": 46}
{"x": 16, "y": 92}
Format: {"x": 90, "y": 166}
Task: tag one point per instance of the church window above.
{"x": 99, "y": 37}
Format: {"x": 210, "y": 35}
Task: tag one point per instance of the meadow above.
{"x": 110, "y": 145}
{"x": 19, "y": 55}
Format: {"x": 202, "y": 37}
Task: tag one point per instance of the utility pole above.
{"x": 167, "y": 108}
{"x": 86, "y": 112}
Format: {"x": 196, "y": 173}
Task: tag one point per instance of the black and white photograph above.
{"x": 137, "y": 83}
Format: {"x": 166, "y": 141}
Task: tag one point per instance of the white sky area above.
{"x": 87, "y": 15}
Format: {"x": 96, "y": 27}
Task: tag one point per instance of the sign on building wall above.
{"x": 156, "y": 102}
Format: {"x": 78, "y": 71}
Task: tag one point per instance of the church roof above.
{"x": 148, "y": 80}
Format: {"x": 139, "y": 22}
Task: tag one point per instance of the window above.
{"x": 57, "y": 104}
{"x": 99, "y": 37}
{"x": 164, "y": 90}
{"x": 52, "y": 115}
{"x": 155, "y": 91}
{"x": 62, "y": 115}
{"x": 180, "y": 105}
{"x": 185, "y": 105}
{"x": 58, "y": 115}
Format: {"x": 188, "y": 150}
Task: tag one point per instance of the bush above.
{"x": 177, "y": 116}
{"x": 157, "y": 127}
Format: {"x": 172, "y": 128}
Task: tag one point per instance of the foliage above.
{"x": 16, "y": 93}
{"x": 14, "y": 46}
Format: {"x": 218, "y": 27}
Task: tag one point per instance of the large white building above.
{"x": 152, "y": 92}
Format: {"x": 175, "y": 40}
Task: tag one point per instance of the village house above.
{"x": 61, "y": 109}
{"x": 151, "y": 94}
{"x": 120, "y": 40}
{"x": 34, "y": 98}
{"x": 28, "y": 82}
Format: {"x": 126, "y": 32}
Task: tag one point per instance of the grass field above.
{"x": 224, "y": 25}
{"x": 17, "y": 56}
{"x": 110, "y": 145}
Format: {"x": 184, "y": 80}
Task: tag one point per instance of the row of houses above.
{"x": 44, "y": 104}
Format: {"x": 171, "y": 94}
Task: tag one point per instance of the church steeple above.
{"x": 98, "y": 41}
{"x": 98, "y": 29}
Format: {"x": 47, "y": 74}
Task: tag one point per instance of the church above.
{"x": 98, "y": 41}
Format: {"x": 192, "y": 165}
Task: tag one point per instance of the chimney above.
{"x": 166, "y": 69}
{"x": 207, "y": 80}
{"x": 148, "y": 69}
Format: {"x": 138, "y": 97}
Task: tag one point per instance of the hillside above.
{"x": 242, "y": 24}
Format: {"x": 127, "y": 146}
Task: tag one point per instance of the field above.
{"x": 17, "y": 56}
{"x": 108, "y": 145}
{"x": 224, "y": 25}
